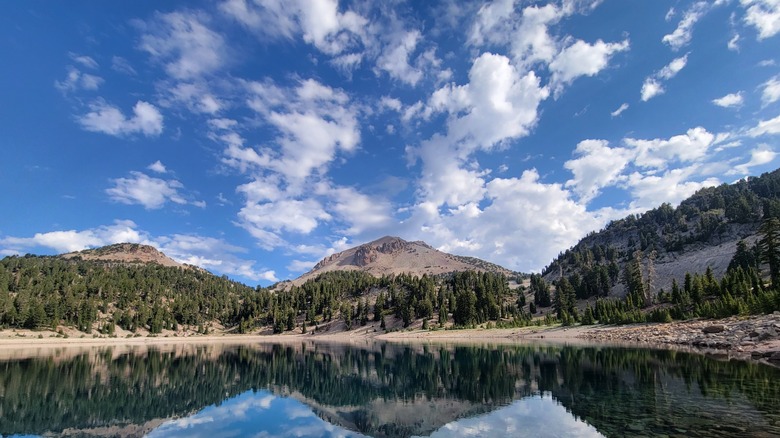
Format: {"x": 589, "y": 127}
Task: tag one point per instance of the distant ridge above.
{"x": 393, "y": 255}
{"x": 127, "y": 253}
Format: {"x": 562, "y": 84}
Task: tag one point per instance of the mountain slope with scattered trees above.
{"x": 717, "y": 254}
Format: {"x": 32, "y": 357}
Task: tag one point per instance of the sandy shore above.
{"x": 753, "y": 338}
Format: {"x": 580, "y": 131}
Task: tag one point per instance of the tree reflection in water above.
{"x": 386, "y": 390}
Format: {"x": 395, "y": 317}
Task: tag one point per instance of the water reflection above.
{"x": 327, "y": 390}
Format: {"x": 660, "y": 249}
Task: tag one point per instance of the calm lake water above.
{"x": 384, "y": 390}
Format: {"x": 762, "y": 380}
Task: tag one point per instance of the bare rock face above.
{"x": 364, "y": 255}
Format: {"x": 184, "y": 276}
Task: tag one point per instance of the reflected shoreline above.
{"x": 383, "y": 389}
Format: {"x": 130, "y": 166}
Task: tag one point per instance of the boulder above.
{"x": 715, "y": 328}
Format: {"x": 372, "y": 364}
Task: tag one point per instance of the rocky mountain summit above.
{"x": 393, "y": 255}
{"x": 124, "y": 253}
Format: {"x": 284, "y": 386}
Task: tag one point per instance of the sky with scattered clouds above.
{"x": 254, "y": 137}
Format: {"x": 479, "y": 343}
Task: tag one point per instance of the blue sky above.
{"x": 255, "y": 137}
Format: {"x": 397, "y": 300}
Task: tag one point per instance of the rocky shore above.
{"x": 755, "y": 337}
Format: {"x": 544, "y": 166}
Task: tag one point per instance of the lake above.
{"x": 306, "y": 389}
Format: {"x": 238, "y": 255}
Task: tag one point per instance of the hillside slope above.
{"x": 702, "y": 232}
{"x": 126, "y": 253}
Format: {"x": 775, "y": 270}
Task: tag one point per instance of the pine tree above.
{"x": 770, "y": 248}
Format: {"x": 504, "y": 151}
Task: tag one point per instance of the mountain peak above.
{"x": 124, "y": 253}
{"x": 392, "y": 255}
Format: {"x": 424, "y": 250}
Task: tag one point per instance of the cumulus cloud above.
{"x": 212, "y": 254}
{"x": 659, "y": 153}
{"x": 682, "y": 35}
{"x": 265, "y": 221}
{"x": 319, "y": 22}
{"x": 108, "y": 119}
{"x": 498, "y": 103}
{"x": 183, "y": 43}
{"x": 729, "y": 100}
{"x": 158, "y": 167}
{"x": 596, "y": 166}
{"x": 395, "y": 59}
{"x": 73, "y": 240}
{"x": 759, "y": 156}
{"x": 764, "y": 15}
{"x": 651, "y": 190}
{"x": 670, "y": 70}
{"x": 765, "y": 127}
{"x": 313, "y": 122}
{"x": 195, "y": 96}
{"x": 583, "y": 59}
{"x": 77, "y": 80}
{"x": 653, "y": 85}
{"x": 650, "y": 89}
{"x": 152, "y": 193}
{"x": 770, "y": 91}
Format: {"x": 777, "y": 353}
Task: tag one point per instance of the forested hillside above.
{"x": 702, "y": 232}
{"x": 97, "y": 296}
{"x": 715, "y": 255}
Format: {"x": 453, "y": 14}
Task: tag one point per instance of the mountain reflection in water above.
{"x": 324, "y": 390}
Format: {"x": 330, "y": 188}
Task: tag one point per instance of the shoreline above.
{"x": 755, "y": 338}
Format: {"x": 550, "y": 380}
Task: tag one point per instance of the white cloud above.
{"x": 108, "y": 119}
{"x": 761, "y": 155}
{"x": 596, "y": 166}
{"x": 620, "y": 110}
{"x": 212, "y": 254}
{"x": 313, "y": 121}
{"x": 650, "y": 191}
{"x": 392, "y": 103}
{"x": 362, "y": 213}
{"x": 150, "y": 192}
{"x": 318, "y": 21}
{"x": 183, "y": 42}
{"x": 670, "y": 70}
{"x": 583, "y": 59}
{"x": 84, "y": 60}
{"x": 766, "y": 127}
{"x": 650, "y": 89}
{"x": 729, "y": 100}
{"x": 658, "y": 153}
{"x": 195, "y": 96}
{"x": 266, "y": 220}
{"x": 653, "y": 85}
{"x": 121, "y": 65}
{"x": 490, "y": 23}
{"x": 524, "y": 224}
{"x": 764, "y": 15}
{"x": 684, "y": 32}
{"x": 733, "y": 43}
{"x": 532, "y": 42}
{"x": 72, "y": 240}
{"x": 77, "y": 80}
{"x": 395, "y": 58}
{"x": 498, "y": 103}
{"x": 770, "y": 92}
{"x": 158, "y": 167}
